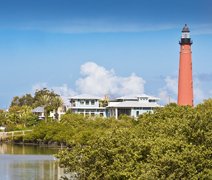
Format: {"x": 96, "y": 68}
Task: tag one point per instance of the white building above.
{"x": 39, "y": 111}
{"x": 87, "y": 105}
{"x": 132, "y": 106}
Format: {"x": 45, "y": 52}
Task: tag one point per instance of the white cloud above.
{"x": 169, "y": 92}
{"x": 130, "y": 85}
{"x": 199, "y": 95}
{"x": 165, "y": 97}
{"x": 171, "y": 84}
{"x": 64, "y": 91}
{"x": 97, "y": 80}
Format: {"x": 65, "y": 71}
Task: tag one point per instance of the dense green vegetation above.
{"x": 19, "y": 115}
{"x": 172, "y": 143}
{"x": 18, "y": 118}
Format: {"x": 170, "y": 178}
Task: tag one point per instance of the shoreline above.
{"x": 49, "y": 145}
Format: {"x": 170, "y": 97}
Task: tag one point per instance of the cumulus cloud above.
{"x": 64, "y": 91}
{"x": 99, "y": 81}
{"x": 96, "y": 80}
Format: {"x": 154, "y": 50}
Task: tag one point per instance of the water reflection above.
{"x": 25, "y": 149}
{"x": 24, "y": 162}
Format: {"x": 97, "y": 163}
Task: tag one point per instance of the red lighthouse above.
{"x": 185, "y": 82}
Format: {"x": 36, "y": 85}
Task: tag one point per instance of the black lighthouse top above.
{"x": 185, "y": 28}
{"x": 185, "y": 38}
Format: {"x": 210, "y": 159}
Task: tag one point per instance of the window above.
{"x": 73, "y": 103}
{"x": 81, "y": 102}
{"x": 147, "y": 108}
{"x": 137, "y": 113}
{"x": 143, "y": 99}
{"x": 87, "y": 102}
{"x": 92, "y": 102}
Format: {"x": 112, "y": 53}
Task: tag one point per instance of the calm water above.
{"x": 18, "y": 162}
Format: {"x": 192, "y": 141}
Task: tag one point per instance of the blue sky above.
{"x": 49, "y": 43}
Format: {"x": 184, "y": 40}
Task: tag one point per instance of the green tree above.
{"x": 174, "y": 142}
{"x": 57, "y": 102}
{"x": 20, "y": 117}
{"x": 3, "y": 119}
{"x": 25, "y": 100}
{"x": 49, "y": 100}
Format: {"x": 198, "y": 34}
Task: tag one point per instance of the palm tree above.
{"x": 44, "y": 101}
{"x": 57, "y": 102}
{"x": 49, "y": 100}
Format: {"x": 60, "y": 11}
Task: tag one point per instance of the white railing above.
{"x": 12, "y": 134}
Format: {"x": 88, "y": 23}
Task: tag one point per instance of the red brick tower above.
{"x": 185, "y": 82}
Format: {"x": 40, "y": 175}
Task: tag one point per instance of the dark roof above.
{"x": 185, "y": 28}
